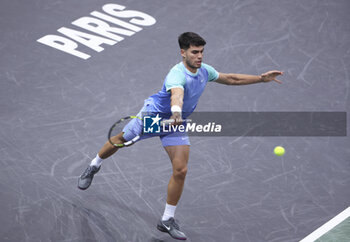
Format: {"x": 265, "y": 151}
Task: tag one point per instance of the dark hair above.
{"x": 189, "y": 38}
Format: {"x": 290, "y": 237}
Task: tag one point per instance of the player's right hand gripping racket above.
{"x": 117, "y": 128}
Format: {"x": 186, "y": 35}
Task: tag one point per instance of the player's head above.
{"x": 189, "y": 38}
{"x": 192, "y": 47}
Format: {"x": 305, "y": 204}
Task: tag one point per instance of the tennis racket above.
{"x": 113, "y": 134}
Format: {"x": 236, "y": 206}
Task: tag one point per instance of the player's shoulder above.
{"x": 211, "y": 72}
{"x": 177, "y": 70}
{"x": 176, "y": 73}
{"x": 179, "y": 67}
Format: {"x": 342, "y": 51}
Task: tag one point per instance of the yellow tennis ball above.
{"x": 279, "y": 151}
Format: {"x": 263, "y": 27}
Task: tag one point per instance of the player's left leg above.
{"x": 179, "y": 158}
{"x": 178, "y": 155}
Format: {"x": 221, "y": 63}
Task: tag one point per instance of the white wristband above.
{"x": 176, "y": 109}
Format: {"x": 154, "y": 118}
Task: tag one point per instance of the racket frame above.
{"x": 125, "y": 144}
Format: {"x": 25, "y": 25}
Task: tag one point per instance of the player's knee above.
{"x": 180, "y": 172}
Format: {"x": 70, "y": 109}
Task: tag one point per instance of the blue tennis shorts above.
{"x": 135, "y": 127}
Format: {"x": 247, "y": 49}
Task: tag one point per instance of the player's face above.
{"x": 193, "y": 57}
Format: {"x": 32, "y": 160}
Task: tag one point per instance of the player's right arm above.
{"x": 175, "y": 84}
{"x": 176, "y": 102}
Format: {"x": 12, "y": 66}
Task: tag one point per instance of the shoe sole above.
{"x": 82, "y": 188}
{"x": 160, "y": 228}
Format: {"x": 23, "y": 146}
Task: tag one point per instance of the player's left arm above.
{"x": 244, "y": 79}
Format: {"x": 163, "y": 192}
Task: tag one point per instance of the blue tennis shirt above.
{"x": 192, "y": 83}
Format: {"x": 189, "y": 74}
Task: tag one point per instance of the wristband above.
{"x": 176, "y": 109}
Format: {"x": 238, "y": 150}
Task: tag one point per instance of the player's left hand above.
{"x": 271, "y": 76}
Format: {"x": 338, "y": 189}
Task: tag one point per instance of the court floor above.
{"x": 336, "y": 229}
{"x": 64, "y": 81}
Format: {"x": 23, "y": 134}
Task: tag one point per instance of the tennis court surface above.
{"x": 60, "y": 96}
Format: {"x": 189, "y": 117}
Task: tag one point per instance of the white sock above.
{"x": 97, "y": 161}
{"x": 169, "y": 212}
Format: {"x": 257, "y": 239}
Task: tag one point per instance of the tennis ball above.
{"x": 279, "y": 150}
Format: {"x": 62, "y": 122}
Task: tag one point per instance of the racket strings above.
{"x": 115, "y": 135}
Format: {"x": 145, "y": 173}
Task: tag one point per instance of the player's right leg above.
{"x": 130, "y": 131}
{"x": 106, "y": 151}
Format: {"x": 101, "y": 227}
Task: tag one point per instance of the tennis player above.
{"x": 179, "y": 96}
